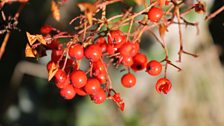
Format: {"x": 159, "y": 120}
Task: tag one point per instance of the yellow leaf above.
{"x": 52, "y": 71}
{"x": 55, "y": 10}
{"x": 31, "y": 38}
{"x": 29, "y": 52}
{"x": 89, "y": 10}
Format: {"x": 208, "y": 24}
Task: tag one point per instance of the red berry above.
{"x": 56, "y": 54}
{"x": 60, "y": 76}
{"x": 128, "y": 80}
{"x": 111, "y": 49}
{"x": 98, "y": 67}
{"x": 92, "y": 86}
{"x": 49, "y": 65}
{"x": 101, "y": 77}
{"x": 163, "y": 85}
{"x": 64, "y": 83}
{"x": 102, "y": 43}
{"x": 76, "y": 51}
{"x": 46, "y": 29}
{"x": 93, "y": 52}
{"x": 127, "y": 61}
{"x": 80, "y": 91}
{"x": 68, "y": 92}
{"x": 155, "y": 14}
{"x": 154, "y": 68}
{"x": 99, "y": 97}
{"x": 78, "y": 78}
{"x": 129, "y": 49}
{"x": 116, "y": 38}
{"x": 140, "y": 62}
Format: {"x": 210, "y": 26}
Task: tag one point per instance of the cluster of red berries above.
{"x": 95, "y": 82}
{"x": 71, "y": 80}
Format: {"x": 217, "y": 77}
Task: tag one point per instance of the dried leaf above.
{"x": 31, "y": 38}
{"x": 89, "y": 10}
{"x": 52, "y": 71}
{"x": 139, "y": 2}
{"x": 29, "y": 52}
{"x": 162, "y": 3}
{"x": 162, "y": 30}
{"x": 41, "y": 39}
{"x": 55, "y": 10}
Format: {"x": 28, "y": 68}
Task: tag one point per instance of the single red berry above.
{"x": 127, "y": 61}
{"x": 102, "y": 43}
{"x": 93, "y": 52}
{"x": 56, "y": 54}
{"x": 129, "y": 49}
{"x": 111, "y": 49}
{"x": 99, "y": 97}
{"x": 78, "y": 78}
{"x": 102, "y": 78}
{"x": 92, "y": 86}
{"x": 128, "y": 80}
{"x": 49, "y": 65}
{"x": 155, "y": 14}
{"x": 80, "y": 91}
{"x": 54, "y": 44}
{"x": 45, "y": 29}
{"x": 64, "y": 83}
{"x": 60, "y": 76}
{"x": 116, "y": 38}
{"x": 140, "y": 62}
{"x": 68, "y": 92}
{"x": 163, "y": 85}
{"x": 98, "y": 67}
{"x": 76, "y": 51}
{"x": 154, "y": 68}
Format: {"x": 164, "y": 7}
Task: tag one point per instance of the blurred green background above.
{"x": 196, "y": 99}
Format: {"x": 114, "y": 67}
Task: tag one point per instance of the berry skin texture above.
{"x": 127, "y": 61}
{"x": 116, "y": 38}
{"x": 128, "y": 80}
{"x": 68, "y": 92}
{"x": 154, "y": 68}
{"x": 99, "y": 97}
{"x": 60, "y": 76}
{"x": 63, "y": 84}
{"x": 155, "y": 14}
{"x": 140, "y": 62}
{"x": 163, "y": 85}
{"x": 92, "y": 86}
{"x": 93, "y": 52}
{"x": 76, "y": 51}
{"x": 78, "y": 78}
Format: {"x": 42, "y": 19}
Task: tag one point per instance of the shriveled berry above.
{"x": 128, "y": 80}
{"x": 78, "y": 78}
{"x": 140, "y": 62}
{"x": 163, "y": 85}
{"x": 154, "y": 68}
{"x": 76, "y": 51}
{"x": 68, "y": 92}
{"x": 80, "y": 91}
